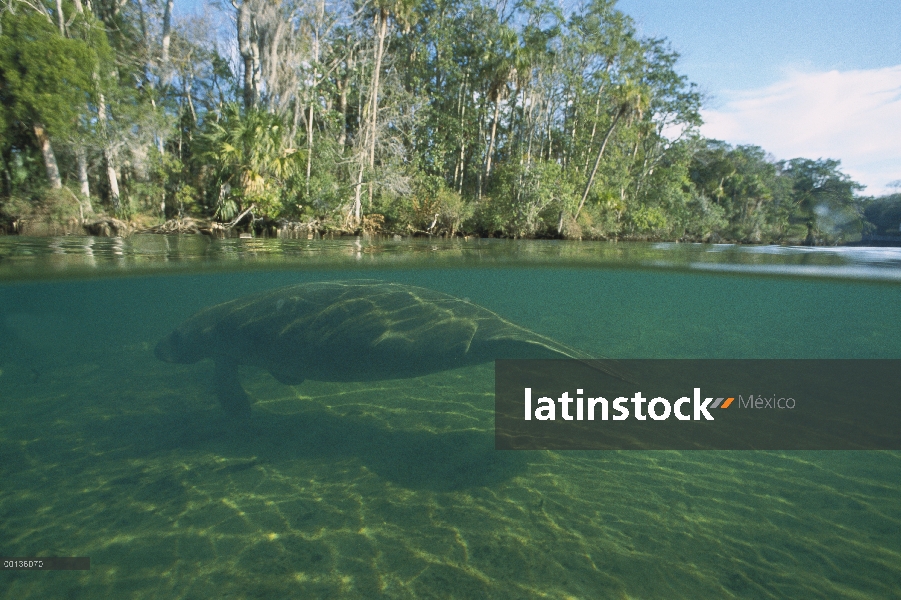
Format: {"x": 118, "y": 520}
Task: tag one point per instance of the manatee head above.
{"x": 182, "y": 346}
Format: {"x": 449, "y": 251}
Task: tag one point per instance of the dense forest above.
{"x": 405, "y": 116}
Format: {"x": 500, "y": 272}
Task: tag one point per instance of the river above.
{"x": 392, "y": 488}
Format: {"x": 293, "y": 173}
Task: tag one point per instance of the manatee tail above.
{"x": 232, "y": 397}
{"x": 536, "y": 346}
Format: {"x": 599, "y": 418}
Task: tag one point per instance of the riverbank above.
{"x": 106, "y": 226}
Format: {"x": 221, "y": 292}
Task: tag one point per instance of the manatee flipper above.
{"x": 231, "y": 395}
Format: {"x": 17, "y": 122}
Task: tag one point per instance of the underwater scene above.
{"x": 185, "y": 475}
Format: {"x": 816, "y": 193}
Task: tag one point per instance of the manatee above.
{"x": 337, "y": 331}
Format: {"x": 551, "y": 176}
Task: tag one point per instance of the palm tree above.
{"x": 252, "y": 157}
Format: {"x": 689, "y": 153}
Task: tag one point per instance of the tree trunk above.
{"x": 7, "y": 175}
{"x": 269, "y": 67}
{"x": 167, "y": 32}
{"x": 343, "y": 86}
{"x": 309, "y": 147}
{"x": 550, "y": 138}
{"x": 479, "y": 117}
{"x": 497, "y": 111}
{"x": 49, "y": 157}
{"x": 81, "y": 157}
{"x": 60, "y": 18}
{"x": 43, "y": 138}
{"x": 113, "y": 184}
{"x": 320, "y": 8}
{"x": 457, "y": 161}
{"x": 381, "y": 30}
{"x": 356, "y": 211}
{"x": 460, "y": 167}
{"x": 381, "y": 22}
{"x": 594, "y": 125}
{"x": 342, "y": 109}
{"x": 597, "y": 161}
{"x": 255, "y": 70}
{"x": 530, "y": 124}
{"x": 354, "y": 216}
{"x": 108, "y": 157}
{"x": 527, "y": 123}
{"x": 190, "y": 100}
{"x": 243, "y": 23}
{"x": 295, "y": 120}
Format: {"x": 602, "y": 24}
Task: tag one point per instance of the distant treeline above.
{"x": 407, "y": 116}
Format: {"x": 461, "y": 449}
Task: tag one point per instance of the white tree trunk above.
{"x": 167, "y": 32}
{"x": 461, "y": 161}
{"x": 320, "y": 12}
{"x": 597, "y": 161}
{"x": 342, "y": 108}
{"x": 81, "y": 158}
{"x": 60, "y": 18}
{"x": 457, "y": 161}
{"x": 497, "y": 110}
{"x": 381, "y": 30}
{"x": 309, "y": 148}
{"x": 113, "y": 184}
{"x": 108, "y": 156}
{"x": 49, "y": 157}
{"x": 357, "y": 208}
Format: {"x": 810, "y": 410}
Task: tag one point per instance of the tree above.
{"x": 884, "y": 214}
{"x": 747, "y": 186}
{"x": 45, "y": 80}
{"x": 824, "y": 196}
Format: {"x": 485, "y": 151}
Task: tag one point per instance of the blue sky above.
{"x": 811, "y": 78}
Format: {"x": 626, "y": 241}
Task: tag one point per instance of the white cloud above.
{"x": 852, "y": 116}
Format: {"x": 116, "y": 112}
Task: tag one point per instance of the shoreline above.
{"x": 110, "y": 227}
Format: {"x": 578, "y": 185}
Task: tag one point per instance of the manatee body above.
{"x": 360, "y": 330}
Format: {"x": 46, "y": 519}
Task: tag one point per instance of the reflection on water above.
{"x": 79, "y": 255}
{"x": 392, "y": 488}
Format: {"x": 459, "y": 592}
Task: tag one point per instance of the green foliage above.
{"x": 703, "y": 219}
{"x": 45, "y": 77}
{"x": 252, "y": 162}
{"x": 764, "y": 199}
{"x": 649, "y": 219}
{"x": 527, "y": 200}
{"x": 45, "y": 205}
{"x": 163, "y": 186}
{"x": 741, "y": 182}
{"x": 432, "y": 207}
{"x": 884, "y": 214}
{"x": 824, "y": 196}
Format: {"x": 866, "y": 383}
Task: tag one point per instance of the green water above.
{"x": 392, "y": 488}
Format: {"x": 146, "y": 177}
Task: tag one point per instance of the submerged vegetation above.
{"x": 405, "y": 116}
